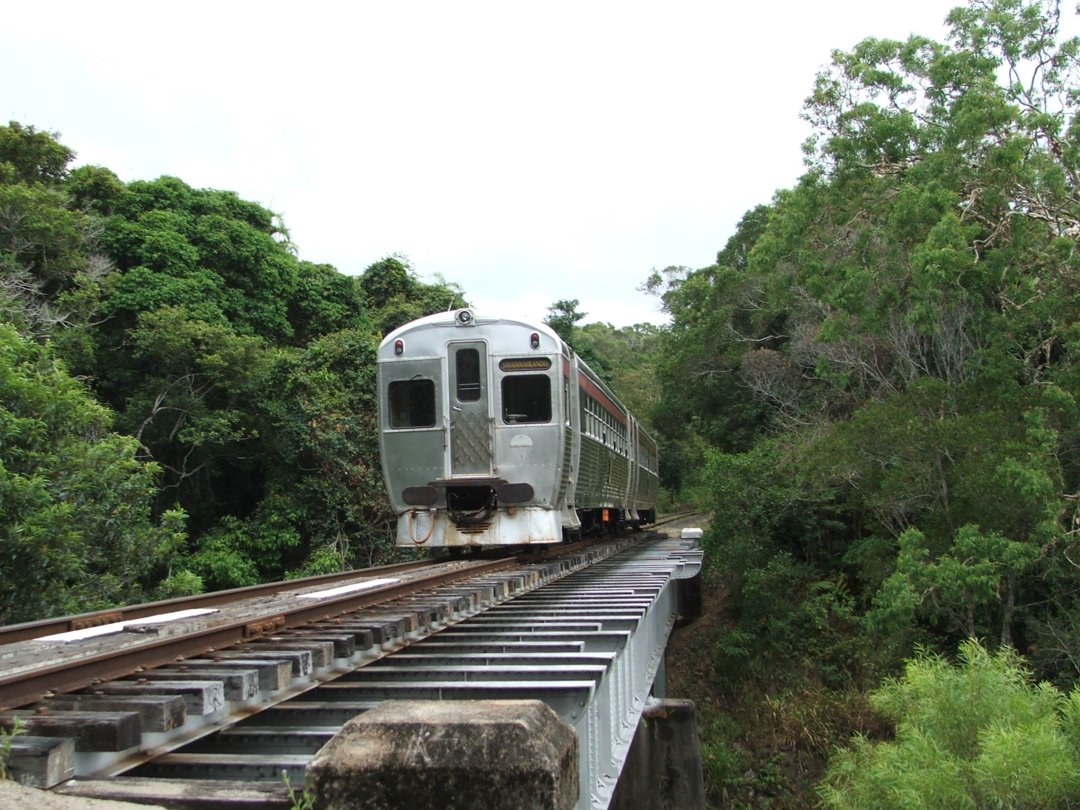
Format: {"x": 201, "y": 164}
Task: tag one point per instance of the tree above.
{"x": 193, "y": 390}
{"x": 562, "y": 316}
{"x": 205, "y": 250}
{"x": 323, "y": 302}
{"x": 78, "y": 531}
{"x": 240, "y": 377}
{"x": 626, "y": 358}
{"x": 886, "y": 357}
{"x": 48, "y": 246}
{"x": 325, "y": 425}
{"x": 394, "y": 296}
{"x": 32, "y": 157}
{"x": 875, "y": 387}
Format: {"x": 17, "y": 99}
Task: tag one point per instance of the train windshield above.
{"x": 526, "y": 398}
{"x": 412, "y": 403}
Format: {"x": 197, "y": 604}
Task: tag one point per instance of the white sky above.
{"x": 526, "y": 151}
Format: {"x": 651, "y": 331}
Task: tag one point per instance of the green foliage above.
{"x": 325, "y": 560}
{"x": 722, "y": 764}
{"x": 76, "y": 502}
{"x": 41, "y": 234}
{"x": 771, "y": 541}
{"x": 223, "y": 559}
{"x": 975, "y": 734}
{"x": 204, "y": 249}
{"x": 977, "y": 573}
{"x": 324, "y": 301}
{"x": 626, "y": 358}
{"x": 329, "y": 476}
{"x": 563, "y": 315}
{"x": 244, "y": 375}
{"x": 394, "y": 296}
{"x": 32, "y": 157}
{"x": 46, "y": 244}
{"x": 180, "y": 583}
{"x": 94, "y": 188}
{"x": 300, "y": 801}
{"x": 7, "y": 741}
{"x": 886, "y": 357}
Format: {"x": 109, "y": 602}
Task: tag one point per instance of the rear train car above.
{"x": 493, "y": 432}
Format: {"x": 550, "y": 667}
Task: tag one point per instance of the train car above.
{"x": 493, "y": 432}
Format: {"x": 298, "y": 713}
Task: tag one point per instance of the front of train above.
{"x": 472, "y": 430}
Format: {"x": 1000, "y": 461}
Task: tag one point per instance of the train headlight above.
{"x": 534, "y": 340}
{"x": 464, "y": 317}
{"x": 399, "y": 346}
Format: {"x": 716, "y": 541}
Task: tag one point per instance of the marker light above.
{"x": 534, "y": 340}
{"x": 399, "y": 346}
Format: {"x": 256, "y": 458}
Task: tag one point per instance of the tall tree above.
{"x": 32, "y": 157}
{"x": 562, "y": 316}
{"x": 77, "y": 530}
{"x": 901, "y": 326}
{"x": 393, "y": 295}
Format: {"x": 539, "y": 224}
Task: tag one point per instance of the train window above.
{"x": 412, "y": 403}
{"x": 468, "y": 375}
{"x": 526, "y": 398}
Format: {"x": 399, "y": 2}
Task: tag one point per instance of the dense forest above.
{"x": 186, "y": 405}
{"x": 879, "y": 378}
{"x": 873, "y": 392}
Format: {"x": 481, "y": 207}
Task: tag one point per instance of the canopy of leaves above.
{"x": 896, "y": 335}
{"x": 31, "y": 157}
{"x": 393, "y": 293}
{"x": 77, "y": 531}
{"x": 875, "y": 388}
{"x": 241, "y": 379}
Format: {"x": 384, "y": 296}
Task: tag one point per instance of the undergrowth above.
{"x": 765, "y": 740}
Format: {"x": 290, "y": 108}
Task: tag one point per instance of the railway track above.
{"x": 208, "y": 703}
{"x": 75, "y": 659}
{"x": 45, "y": 627}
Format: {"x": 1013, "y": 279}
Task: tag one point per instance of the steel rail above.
{"x": 27, "y": 687}
{"x": 672, "y": 518}
{"x": 44, "y": 627}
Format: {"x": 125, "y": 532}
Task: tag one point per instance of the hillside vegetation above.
{"x": 879, "y": 379}
{"x": 186, "y": 405}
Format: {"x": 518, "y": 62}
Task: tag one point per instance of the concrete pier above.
{"x": 663, "y": 767}
{"x": 457, "y": 755}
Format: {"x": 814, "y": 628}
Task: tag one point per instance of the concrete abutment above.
{"x": 517, "y": 755}
{"x": 451, "y": 754}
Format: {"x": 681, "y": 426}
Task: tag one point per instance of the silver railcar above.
{"x": 493, "y": 432}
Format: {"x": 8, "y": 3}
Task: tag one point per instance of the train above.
{"x": 494, "y": 432}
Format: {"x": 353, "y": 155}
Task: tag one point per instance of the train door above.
{"x": 470, "y": 423}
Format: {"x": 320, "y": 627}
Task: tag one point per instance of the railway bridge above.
{"x": 537, "y": 682}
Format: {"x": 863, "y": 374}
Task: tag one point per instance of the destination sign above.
{"x": 525, "y": 364}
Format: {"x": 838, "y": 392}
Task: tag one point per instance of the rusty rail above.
{"x": 44, "y": 627}
{"x": 27, "y": 687}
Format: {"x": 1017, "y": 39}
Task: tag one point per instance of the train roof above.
{"x": 469, "y": 317}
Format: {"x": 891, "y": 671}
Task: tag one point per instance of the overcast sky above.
{"x": 526, "y": 151}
